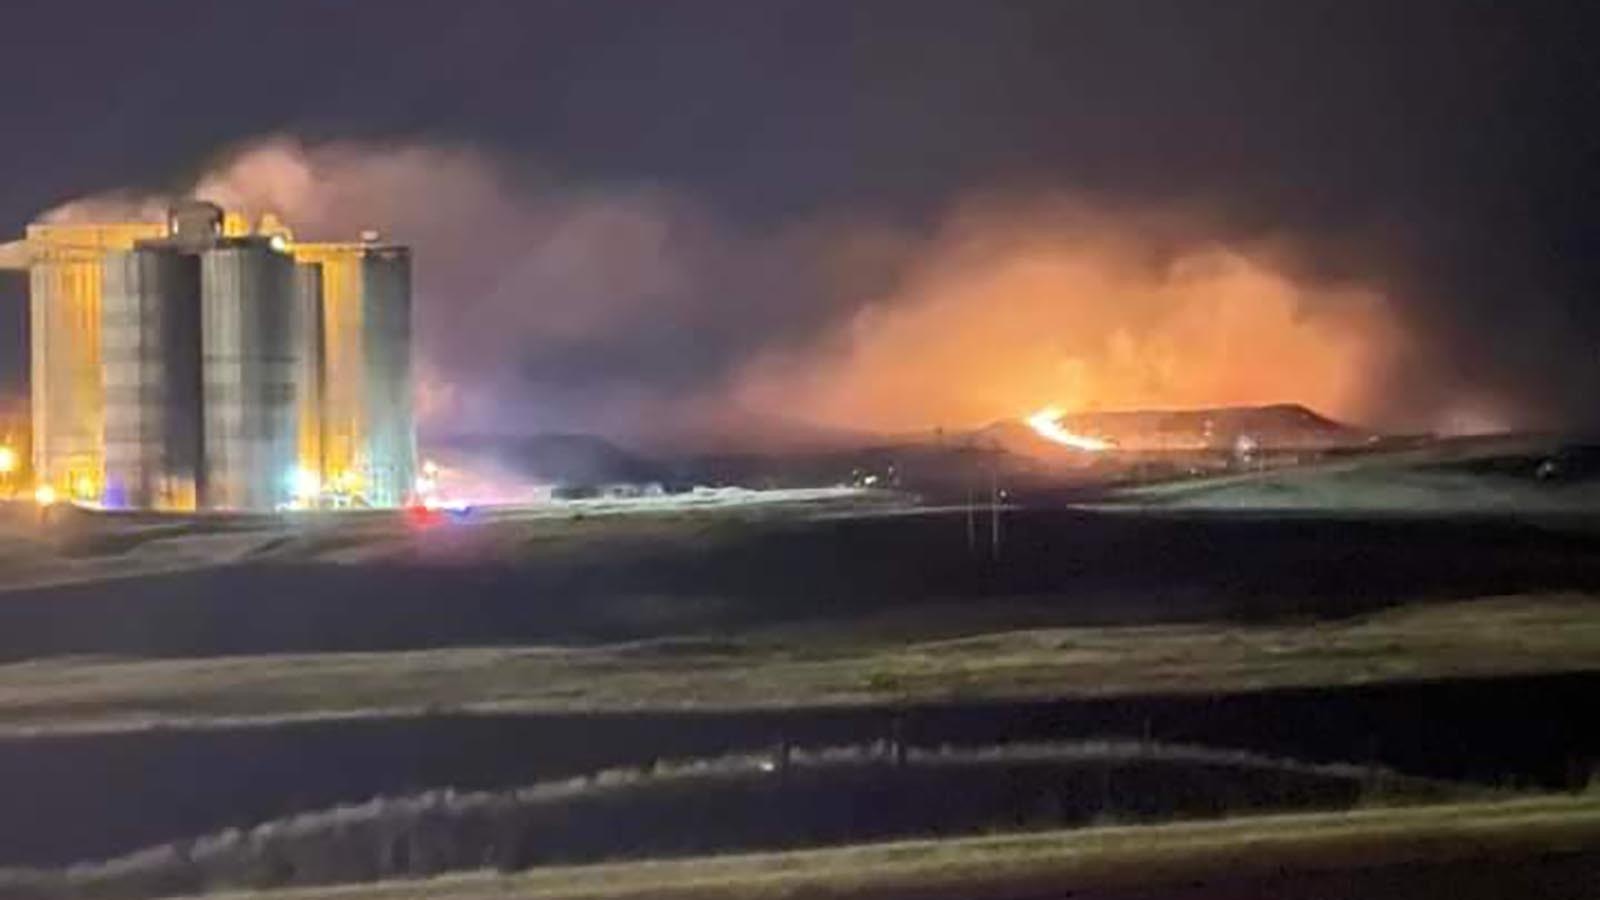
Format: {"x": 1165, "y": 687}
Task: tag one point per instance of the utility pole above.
{"x": 994, "y": 510}
{"x": 972, "y": 519}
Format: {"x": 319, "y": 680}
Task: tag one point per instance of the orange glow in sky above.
{"x": 1001, "y": 321}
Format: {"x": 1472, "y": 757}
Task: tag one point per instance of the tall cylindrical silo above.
{"x": 390, "y": 431}
{"x": 249, "y": 346}
{"x": 368, "y": 439}
{"x": 65, "y": 280}
{"x": 309, "y": 383}
{"x": 150, "y": 353}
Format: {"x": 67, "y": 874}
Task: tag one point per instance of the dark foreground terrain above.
{"x": 1539, "y": 848}
{"x": 94, "y": 795}
{"x": 521, "y": 582}
{"x": 218, "y": 690}
{"x": 1552, "y": 876}
{"x": 789, "y": 798}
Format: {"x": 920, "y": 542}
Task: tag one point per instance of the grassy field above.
{"x": 1092, "y": 863}
{"x": 1472, "y": 475}
{"x": 371, "y": 583}
{"x": 121, "y": 625}
{"x": 838, "y": 796}
{"x": 887, "y": 659}
{"x": 67, "y": 545}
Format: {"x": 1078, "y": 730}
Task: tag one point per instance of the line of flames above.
{"x": 1047, "y": 424}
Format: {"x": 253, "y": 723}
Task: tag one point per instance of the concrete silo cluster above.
{"x": 202, "y": 363}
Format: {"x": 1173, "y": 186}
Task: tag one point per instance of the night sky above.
{"x": 1447, "y": 154}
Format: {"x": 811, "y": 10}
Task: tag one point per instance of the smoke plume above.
{"x": 1054, "y": 303}
{"x": 633, "y": 310}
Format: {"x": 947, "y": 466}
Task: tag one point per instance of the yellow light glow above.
{"x": 68, "y": 280}
{"x": 83, "y": 488}
{"x": 8, "y": 460}
{"x": 1047, "y": 424}
{"x": 305, "y": 485}
{"x": 339, "y": 413}
{"x": 45, "y": 495}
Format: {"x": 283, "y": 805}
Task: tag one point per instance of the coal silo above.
{"x": 249, "y": 353}
{"x": 243, "y": 370}
{"x": 66, "y": 270}
{"x": 150, "y": 351}
{"x": 309, "y": 384}
{"x": 368, "y": 439}
{"x": 391, "y": 432}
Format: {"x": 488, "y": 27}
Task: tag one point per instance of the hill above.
{"x": 1285, "y": 426}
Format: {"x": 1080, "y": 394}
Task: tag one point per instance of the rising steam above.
{"x": 633, "y": 310}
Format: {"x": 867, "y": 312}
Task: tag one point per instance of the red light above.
{"x": 422, "y": 516}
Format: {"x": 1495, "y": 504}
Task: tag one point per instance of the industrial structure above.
{"x": 200, "y": 363}
{"x": 15, "y": 434}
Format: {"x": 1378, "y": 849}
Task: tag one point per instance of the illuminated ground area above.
{"x": 63, "y": 544}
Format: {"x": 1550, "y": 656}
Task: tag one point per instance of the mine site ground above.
{"x": 1425, "y": 613}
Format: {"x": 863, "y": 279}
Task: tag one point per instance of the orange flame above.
{"x": 1093, "y": 314}
{"x": 1047, "y": 424}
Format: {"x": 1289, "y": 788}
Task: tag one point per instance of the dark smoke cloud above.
{"x": 546, "y": 303}
{"x": 543, "y": 305}
{"x": 632, "y": 310}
